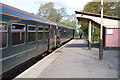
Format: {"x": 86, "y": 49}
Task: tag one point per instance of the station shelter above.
{"x": 111, "y": 28}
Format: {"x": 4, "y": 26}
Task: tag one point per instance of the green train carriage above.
{"x": 25, "y": 36}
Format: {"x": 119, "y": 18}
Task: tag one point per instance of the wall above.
{"x": 112, "y": 37}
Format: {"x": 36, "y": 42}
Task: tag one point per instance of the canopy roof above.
{"x": 108, "y": 21}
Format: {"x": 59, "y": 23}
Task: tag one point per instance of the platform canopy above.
{"x": 108, "y": 21}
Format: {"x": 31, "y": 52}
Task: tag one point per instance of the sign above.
{"x": 109, "y": 31}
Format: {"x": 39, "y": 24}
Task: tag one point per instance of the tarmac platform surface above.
{"x": 74, "y": 60}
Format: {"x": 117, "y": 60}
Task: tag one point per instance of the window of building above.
{"x": 18, "y": 34}
{"x": 31, "y": 33}
{"x": 3, "y": 35}
{"x": 40, "y": 32}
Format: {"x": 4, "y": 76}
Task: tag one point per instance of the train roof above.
{"x": 6, "y": 9}
{"x": 20, "y": 13}
{"x": 64, "y": 26}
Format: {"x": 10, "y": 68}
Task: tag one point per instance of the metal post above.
{"x": 89, "y": 35}
{"x": 101, "y": 34}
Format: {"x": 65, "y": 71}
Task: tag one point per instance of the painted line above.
{"x": 17, "y": 54}
{"x": 27, "y": 19}
{"x": 35, "y": 70}
{"x": 47, "y": 22}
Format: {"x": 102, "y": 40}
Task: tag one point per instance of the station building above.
{"x": 111, "y": 28}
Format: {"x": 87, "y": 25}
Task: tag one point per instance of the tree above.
{"x": 70, "y": 20}
{"x": 57, "y": 15}
{"x": 48, "y": 11}
{"x": 62, "y": 12}
{"x": 110, "y": 8}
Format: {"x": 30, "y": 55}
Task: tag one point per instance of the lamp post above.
{"x": 101, "y": 34}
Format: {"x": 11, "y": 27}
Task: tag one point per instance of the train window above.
{"x": 18, "y": 34}
{"x": 40, "y": 32}
{"x": 3, "y": 35}
{"x": 32, "y": 28}
{"x": 31, "y": 33}
{"x": 3, "y": 26}
{"x": 40, "y": 28}
{"x": 46, "y": 28}
{"x": 65, "y": 30}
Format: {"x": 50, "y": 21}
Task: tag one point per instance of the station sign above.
{"x": 109, "y": 31}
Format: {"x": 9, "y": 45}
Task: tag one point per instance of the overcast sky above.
{"x": 33, "y": 5}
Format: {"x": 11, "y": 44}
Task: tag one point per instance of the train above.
{"x": 24, "y": 36}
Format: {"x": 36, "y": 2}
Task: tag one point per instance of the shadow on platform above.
{"x": 83, "y": 44}
{"x": 79, "y": 38}
{"x": 76, "y": 45}
{"x": 94, "y": 45}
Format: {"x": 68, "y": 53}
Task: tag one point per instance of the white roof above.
{"x": 107, "y": 22}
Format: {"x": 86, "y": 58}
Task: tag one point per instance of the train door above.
{"x": 58, "y": 36}
{"x": 46, "y": 37}
{"x": 40, "y": 39}
{"x": 52, "y": 37}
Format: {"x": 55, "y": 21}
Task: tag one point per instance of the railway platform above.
{"x": 74, "y": 60}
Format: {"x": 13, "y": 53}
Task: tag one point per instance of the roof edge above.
{"x": 97, "y": 15}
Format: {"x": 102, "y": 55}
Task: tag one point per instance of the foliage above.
{"x": 64, "y": 23}
{"x": 96, "y": 34}
{"x": 70, "y": 20}
{"x": 110, "y": 8}
{"x": 84, "y": 27}
{"x": 57, "y": 15}
{"x": 48, "y": 11}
